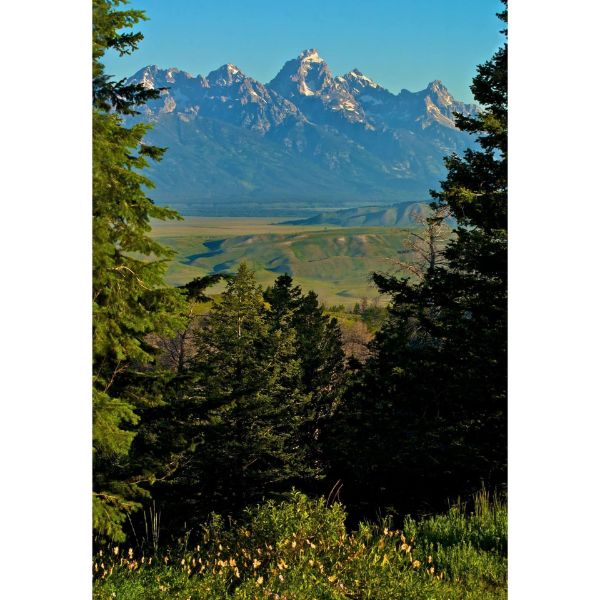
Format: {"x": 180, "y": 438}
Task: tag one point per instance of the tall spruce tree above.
{"x": 318, "y": 348}
{"x": 318, "y": 336}
{"x": 430, "y": 412}
{"x": 130, "y": 299}
{"x": 246, "y": 410}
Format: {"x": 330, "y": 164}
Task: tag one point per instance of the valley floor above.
{"x": 334, "y": 261}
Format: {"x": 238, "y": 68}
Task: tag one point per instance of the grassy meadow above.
{"x": 301, "y": 549}
{"x": 335, "y": 262}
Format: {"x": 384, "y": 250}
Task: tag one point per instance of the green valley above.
{"x": 334, "y": 261}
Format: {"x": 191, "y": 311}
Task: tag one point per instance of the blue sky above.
{"x": 398, "y": 43}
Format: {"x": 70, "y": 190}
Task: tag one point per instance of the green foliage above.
{"x": 242, "y": 419}
{"x": 300, "y": 548}
{"x": 317, "y": 336}
{"x": 242, "y": 407}
{"x": 130, "y": 299}
{"x": 196, "y": 288}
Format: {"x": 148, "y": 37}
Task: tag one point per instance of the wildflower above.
{"x": 280, "y": 577}
{"x": 256, "y": 563}
{"x": 116, "y": 550}
{"x": 294, "y": 544}
{"x": 260, "y": 580}
{"x": 130, "y": 552}
{"x": 332, "y": 578}
{"x": 416, "y": 564}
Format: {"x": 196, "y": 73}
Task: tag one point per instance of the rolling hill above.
{"x": 333, "y": 261}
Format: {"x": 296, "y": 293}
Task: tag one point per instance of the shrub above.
{"x": 300, "y": 549}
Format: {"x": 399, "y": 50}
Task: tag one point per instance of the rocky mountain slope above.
{"x": 308, "y": 139}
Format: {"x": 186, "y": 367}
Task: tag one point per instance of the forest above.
{"x": 240, "y": 450}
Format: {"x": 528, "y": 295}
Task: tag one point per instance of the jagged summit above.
{"x": 226, "y": 75}
{"x": 306, "y": 75}
{"x": 437, "y": 87}
{"x": 355, "y": 73}
{"x": 311, "y": 55}
{"x": 152, "y": 76}
{"x": 440, "y": 96}
{"x": 359, "y": 78}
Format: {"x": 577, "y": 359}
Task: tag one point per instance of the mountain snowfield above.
{"x": 304, "y": 141}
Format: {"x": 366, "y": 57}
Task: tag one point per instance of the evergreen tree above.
{"x": 318, "y": 337}
{"x": 318, "y": 347}
{"x": 130, "y": 299}
{"x": 246, "y": 410}
{"x": 431, "y": 407}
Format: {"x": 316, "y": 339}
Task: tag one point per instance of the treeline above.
{"x": 213, "y": 412}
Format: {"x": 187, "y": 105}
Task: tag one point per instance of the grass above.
{"x": 335, "y": 262}
{"x": 300, "y": 549}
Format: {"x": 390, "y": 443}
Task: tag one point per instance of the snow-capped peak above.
{"x": 356, "y": 75}
{"x": 225, "y": 75}
{"x": 311, "y": 55}
{"x": 440, "y": 91}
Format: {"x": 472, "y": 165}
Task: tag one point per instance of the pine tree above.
{"x": 130, "y": 299}
{"x": 318, "y": 336}
{"x": 431, "y": 407}
{"x": 318, "y": 347}
{"x": 246, "y": 410}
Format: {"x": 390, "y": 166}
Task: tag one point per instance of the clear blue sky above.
{"x": 398, "y": 43}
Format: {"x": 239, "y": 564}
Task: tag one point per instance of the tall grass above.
{"x": 300, "y": 549}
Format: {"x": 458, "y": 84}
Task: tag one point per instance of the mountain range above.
{"x": 304, "y": 141}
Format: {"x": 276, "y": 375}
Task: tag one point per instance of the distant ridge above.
{"x": 397, "y": 215}
{"x": 306, "y": 139}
